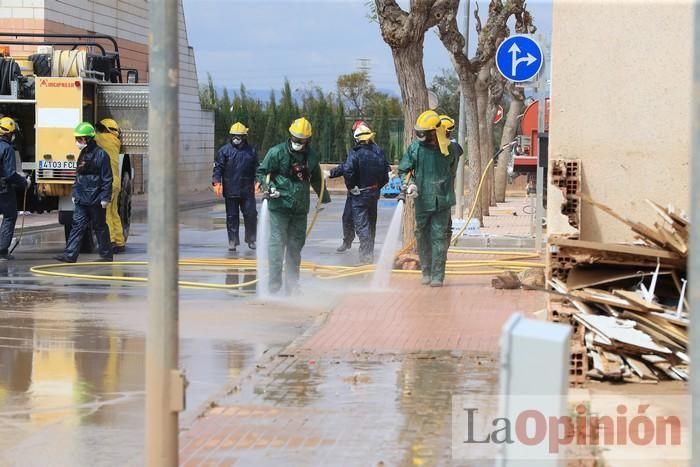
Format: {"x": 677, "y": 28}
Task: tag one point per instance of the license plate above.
{"x": 49, "y": 164}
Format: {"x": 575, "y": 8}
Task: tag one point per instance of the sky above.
{"x": 259, "y": 43}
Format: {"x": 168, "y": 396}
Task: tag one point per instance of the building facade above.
{"x": 621, "y": 102}
{"x": 127, "y": 21}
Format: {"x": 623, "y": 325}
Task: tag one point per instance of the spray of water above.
{"x": 382, "y": 274}
{"x": 263, "y": 241}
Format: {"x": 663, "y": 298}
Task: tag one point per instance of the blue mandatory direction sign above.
{"x": 519, "y": 58}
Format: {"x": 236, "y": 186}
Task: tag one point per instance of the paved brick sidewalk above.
{"x": 358, "y": 410}
{"x": 466, "y": 314}
{"x": 372, "y": 386}
{"x": 509, "y": 218}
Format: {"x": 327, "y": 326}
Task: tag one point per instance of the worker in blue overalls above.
{"x": 9, "y": 179}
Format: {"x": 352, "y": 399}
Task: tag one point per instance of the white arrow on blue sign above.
{"x": 519, "y": 58}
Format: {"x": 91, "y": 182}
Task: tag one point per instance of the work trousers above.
{"x": 246, "y": 205}
{"x": 431, "y": 227}
{"x": 348, "y": 223}
{"x": 83, "y": 216}
{"x": 114, "y": 222}
{"x": 364, "y": 214}
{"x": 287, "y": 238}
{"x": 8, "y": 209}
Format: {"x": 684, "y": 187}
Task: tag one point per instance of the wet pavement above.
{"x": 355, "y": 409}
{"x": 72, "y": 350}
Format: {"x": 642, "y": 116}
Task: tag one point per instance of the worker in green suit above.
{"x": 285, "y": 175}
{"x": 428, "y": 168}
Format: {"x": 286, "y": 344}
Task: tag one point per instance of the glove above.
{"x": 104, "y": 204}
{"x": 355, "y": 191}
{"x": 269, "y": 192}
{"x": 73, "y": 200}
{"x": 218, "y": 189}
{"x": 412, "y": 190}
{"x": 327, "y": 173}
{"x": 29, "y": 181}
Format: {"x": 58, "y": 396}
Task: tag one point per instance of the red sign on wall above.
{"x": 499, "y": 115}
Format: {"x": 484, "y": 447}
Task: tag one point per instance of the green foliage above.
{"x": 269, "y": 121}
{"x": 446, "y": 87}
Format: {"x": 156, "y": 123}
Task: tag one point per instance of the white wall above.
{"x": 621, "y": 87}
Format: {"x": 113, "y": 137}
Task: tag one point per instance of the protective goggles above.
{"x": 296, "y": 140}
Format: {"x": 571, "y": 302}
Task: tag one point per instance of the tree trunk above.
{"x": 408, "y": 62}
{"x": 482, "y": 97}
{"x": 473, "y": 149}
{"x": 510, "y": 130}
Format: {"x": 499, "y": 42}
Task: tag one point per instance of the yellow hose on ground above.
{"x": 324, "y": 272}
{"x": 319, "y": 203}
{"x": 476, "y": 200}
{"x": 511, "y": 262}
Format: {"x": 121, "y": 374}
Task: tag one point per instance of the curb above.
{"x": 285, "y": 351}
{"x": 187, "y": 206}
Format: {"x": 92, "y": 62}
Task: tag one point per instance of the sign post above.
{"x": 519, "y": 59}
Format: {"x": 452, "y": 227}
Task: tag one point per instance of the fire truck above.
{"x": 64, "y": 80}
{"x": 524, "y": 160}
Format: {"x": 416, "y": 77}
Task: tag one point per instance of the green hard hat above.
{"x": 84, "y": 129}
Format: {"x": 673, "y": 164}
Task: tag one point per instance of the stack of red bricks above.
{"x": 566, "y": 176}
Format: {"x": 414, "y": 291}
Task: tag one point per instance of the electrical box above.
{"x": 534, "y": 379}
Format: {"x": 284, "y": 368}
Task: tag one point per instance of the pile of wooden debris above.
{"x": 626, "y": 302}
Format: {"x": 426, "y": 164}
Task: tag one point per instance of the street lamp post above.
{"x": 164, "y": 382}
{"x": 462, "y": 130}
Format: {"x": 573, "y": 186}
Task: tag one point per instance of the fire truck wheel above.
{"x": 125, "y": 203}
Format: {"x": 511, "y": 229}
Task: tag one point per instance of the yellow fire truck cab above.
{"x": 70, "y": 79}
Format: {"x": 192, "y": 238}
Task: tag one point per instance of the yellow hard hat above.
{"x": 7, "y": 126}
{"x": 447, "y": 122}
{"x": 238, "y": 129}
{"x": 301, "y": 128}
{"x": 111, "y": 125}
{"x": 428, "y": 120}
{"x": 363, "y": 133}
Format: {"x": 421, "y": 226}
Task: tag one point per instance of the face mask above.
{"x": 80, "y": 145}
{"x": 12, "y": 138}
{"x": 236, "y": 141}
{"x": 297, "y": 146}
{"x": 421, "y": 138}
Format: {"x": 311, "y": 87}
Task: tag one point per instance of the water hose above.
{"x": 319, "y": 203}
{"x": 478, "y": 191}
{"x": 321, "y": 271}
{"x": 21, "y": 226}
{"x": 476, "y": 201}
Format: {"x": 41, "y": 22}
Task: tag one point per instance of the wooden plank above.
{"x": 582, "y": 277}
{"x": 612, "y": 253}
{"x": 640, "y": 368}
{"x": 605, "y": 298}
{"x": 663, "y": 214}
{"x": 673, "y": 241}
{"x": 637, "y": 300}
{"x": 671, "y": 318}
{"x": 676, "y": 216}
{"x": 607, "y": 367}
{"x": 622, "y": 332}
{"x": 661, "y": 330}
{"x": 649, "y": 234}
